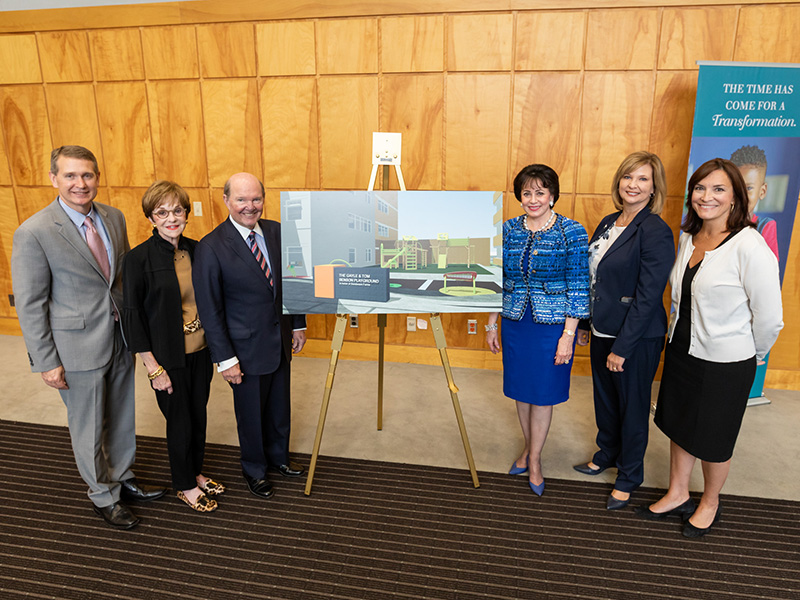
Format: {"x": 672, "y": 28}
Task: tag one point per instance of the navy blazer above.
{"x": 241, "y": 314}
{"x": 630, "y": 281}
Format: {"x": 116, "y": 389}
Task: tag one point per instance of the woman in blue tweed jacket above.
{"x": 545, "y": 293}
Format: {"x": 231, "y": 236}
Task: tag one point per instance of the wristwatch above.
{"x": 569, "y": 332}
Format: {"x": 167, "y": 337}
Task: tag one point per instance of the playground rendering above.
{"x": 391, "y": 252}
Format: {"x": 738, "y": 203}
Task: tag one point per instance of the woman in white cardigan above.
{"x": 726, "y": 314}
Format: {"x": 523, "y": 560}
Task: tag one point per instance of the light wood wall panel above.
{"x": 129, "y": 201}
{"x": 768, "y": 34}
{"x": 30, "y": 200}
{"x": 686, "y": 36}
{"x": 24, "y": 117}
{"x": 479, "y": 42}
{"x": 412, "y": 44}
{"x": 544, "y": 128}
{"x": 621, "y": 39}
{"x": 227, "y": 50}
{"x": 671, "y": 132}
{"x": 178, "y": 142}
{"x": 125, "y": 131}
{"x": 20, "y": 59}
{"x": 200, "y": 225}
{"x": 5, "y": 169}
{"x": 286, "y": 48}
{"x": 65, "y": 56}
{"x": 233, "y": 141}
{"x": 348, "y": 116}
{"x": 73, "y": 117}
{"x": 413, "y": 107}
{"x": 347, "y": 46}
{"x": 170, "y": 52}
{"x": 289, "y": 122}
{"x": 8, "y": 224}
{"x": 615, "y": 122}
{"x": 550, "y": 41}
{"x": 590, "y": 210}
{"x": 476, "y": 131}
{"x": 116, "y": 54}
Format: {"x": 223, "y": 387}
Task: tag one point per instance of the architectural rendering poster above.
{"x": 363, "y": 252}
{"x": 750, "y": 113}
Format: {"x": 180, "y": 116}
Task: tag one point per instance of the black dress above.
{"x": 701, "y": 403}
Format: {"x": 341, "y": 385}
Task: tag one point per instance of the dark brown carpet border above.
{"x": 371, "y": 530}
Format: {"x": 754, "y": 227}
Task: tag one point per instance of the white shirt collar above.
{"x": 244, "y": 231}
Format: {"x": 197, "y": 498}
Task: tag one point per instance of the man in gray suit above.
{"x": 66, "y": 269}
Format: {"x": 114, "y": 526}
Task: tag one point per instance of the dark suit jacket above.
{"x": 630, "y": 282}
{"x": 241, "y": 315}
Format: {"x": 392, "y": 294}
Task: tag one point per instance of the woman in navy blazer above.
{"x": 630, "y": 256}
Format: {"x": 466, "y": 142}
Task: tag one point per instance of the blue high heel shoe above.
{"x": 537, "y": 489}
{"x": 515, "y": 470}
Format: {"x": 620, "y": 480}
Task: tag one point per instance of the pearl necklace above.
{"x": 545, "y": 226}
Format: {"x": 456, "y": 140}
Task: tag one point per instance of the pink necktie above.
{"x": 97, "y": 247}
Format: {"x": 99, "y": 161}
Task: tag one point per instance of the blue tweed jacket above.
{"x": 556, "y": 276}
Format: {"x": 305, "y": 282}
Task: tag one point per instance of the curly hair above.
{"x": 749, "y": 155}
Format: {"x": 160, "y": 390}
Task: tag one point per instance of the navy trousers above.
{"x": 622, "y": 408}
{"x": 263, "y": 419}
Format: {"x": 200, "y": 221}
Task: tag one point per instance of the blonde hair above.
{"x": 629, "y": 165}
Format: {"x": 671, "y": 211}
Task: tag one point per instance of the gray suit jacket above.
{"x": 64, "y": 303}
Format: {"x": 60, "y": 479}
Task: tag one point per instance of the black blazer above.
{"x": 241, "y": 314}
{"x": 152, "y": 316}
{"x": 630, "y": 282}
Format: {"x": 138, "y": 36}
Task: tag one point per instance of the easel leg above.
{"x": 336, "y": 348}
{"x": 441, "y": 344}
{"x": 381, "y": 339}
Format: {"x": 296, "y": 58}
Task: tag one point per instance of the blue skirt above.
{"x": 530, "y": 374}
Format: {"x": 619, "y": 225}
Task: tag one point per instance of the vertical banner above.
{"x": 750, "y": 113}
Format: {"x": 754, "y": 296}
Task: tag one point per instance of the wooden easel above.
{"x": 338, "y": 340}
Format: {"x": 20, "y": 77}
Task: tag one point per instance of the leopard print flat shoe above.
{"x": 212, "y": 488}
{"x": 202, "y": 504}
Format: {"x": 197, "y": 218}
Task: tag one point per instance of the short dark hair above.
{"x": 72, "y": 152}
{"x": 738, "y": 218}
{"x": 750, "y": 155}
{"x": 159, "y": 191}
{"x": 546, "y": 177}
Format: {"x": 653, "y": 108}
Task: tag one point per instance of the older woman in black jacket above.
{"x": 161, "y": 325}
{"x": 630, "y": 257}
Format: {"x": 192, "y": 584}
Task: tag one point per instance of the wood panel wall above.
{"x": 292, "y": 92}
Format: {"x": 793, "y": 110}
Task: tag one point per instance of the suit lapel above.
{"x": 274, "y": 251}
{"x": 239, "y": 247}
{"x": 628, "y": 232}
{"x": 66, "y": 228}
{"x": 113, "y": 237}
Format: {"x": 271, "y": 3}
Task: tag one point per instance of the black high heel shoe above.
{"x": 687, "y": 508}
{"x": 690, "y": 531}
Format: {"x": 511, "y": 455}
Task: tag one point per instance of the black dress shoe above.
{"x": 587, "y": 470}
{"x": 117, "y": 515}
{"x": 132, "y": 491}
{"x": 615, "y": 503}
{"x": 687, "y": 508}
{"x": 259, "y": 487}
{"x": 690, "y": 531}
{"x": 293, "y": 469}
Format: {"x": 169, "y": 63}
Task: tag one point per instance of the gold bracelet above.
{"x": 156, "y": 373}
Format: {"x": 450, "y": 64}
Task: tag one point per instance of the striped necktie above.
{"x": 262, "y": 260}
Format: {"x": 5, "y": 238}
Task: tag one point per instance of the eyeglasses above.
{"x": 163, "y": 213}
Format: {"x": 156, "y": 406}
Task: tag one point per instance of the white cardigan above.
{"x": 736, "y": 298}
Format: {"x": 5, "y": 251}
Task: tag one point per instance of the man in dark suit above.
{"x": 237, "y": 283}
{"x": 66, "y": 267}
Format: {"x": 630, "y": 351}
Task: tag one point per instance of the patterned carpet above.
{"x": 370, "y": 530}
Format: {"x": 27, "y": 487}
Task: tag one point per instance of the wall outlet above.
{"x": 354, "y": 321}
{"x": 197, "y": 209}
{"x": 411, "y": 323}
{"x": 472, "y": 326}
